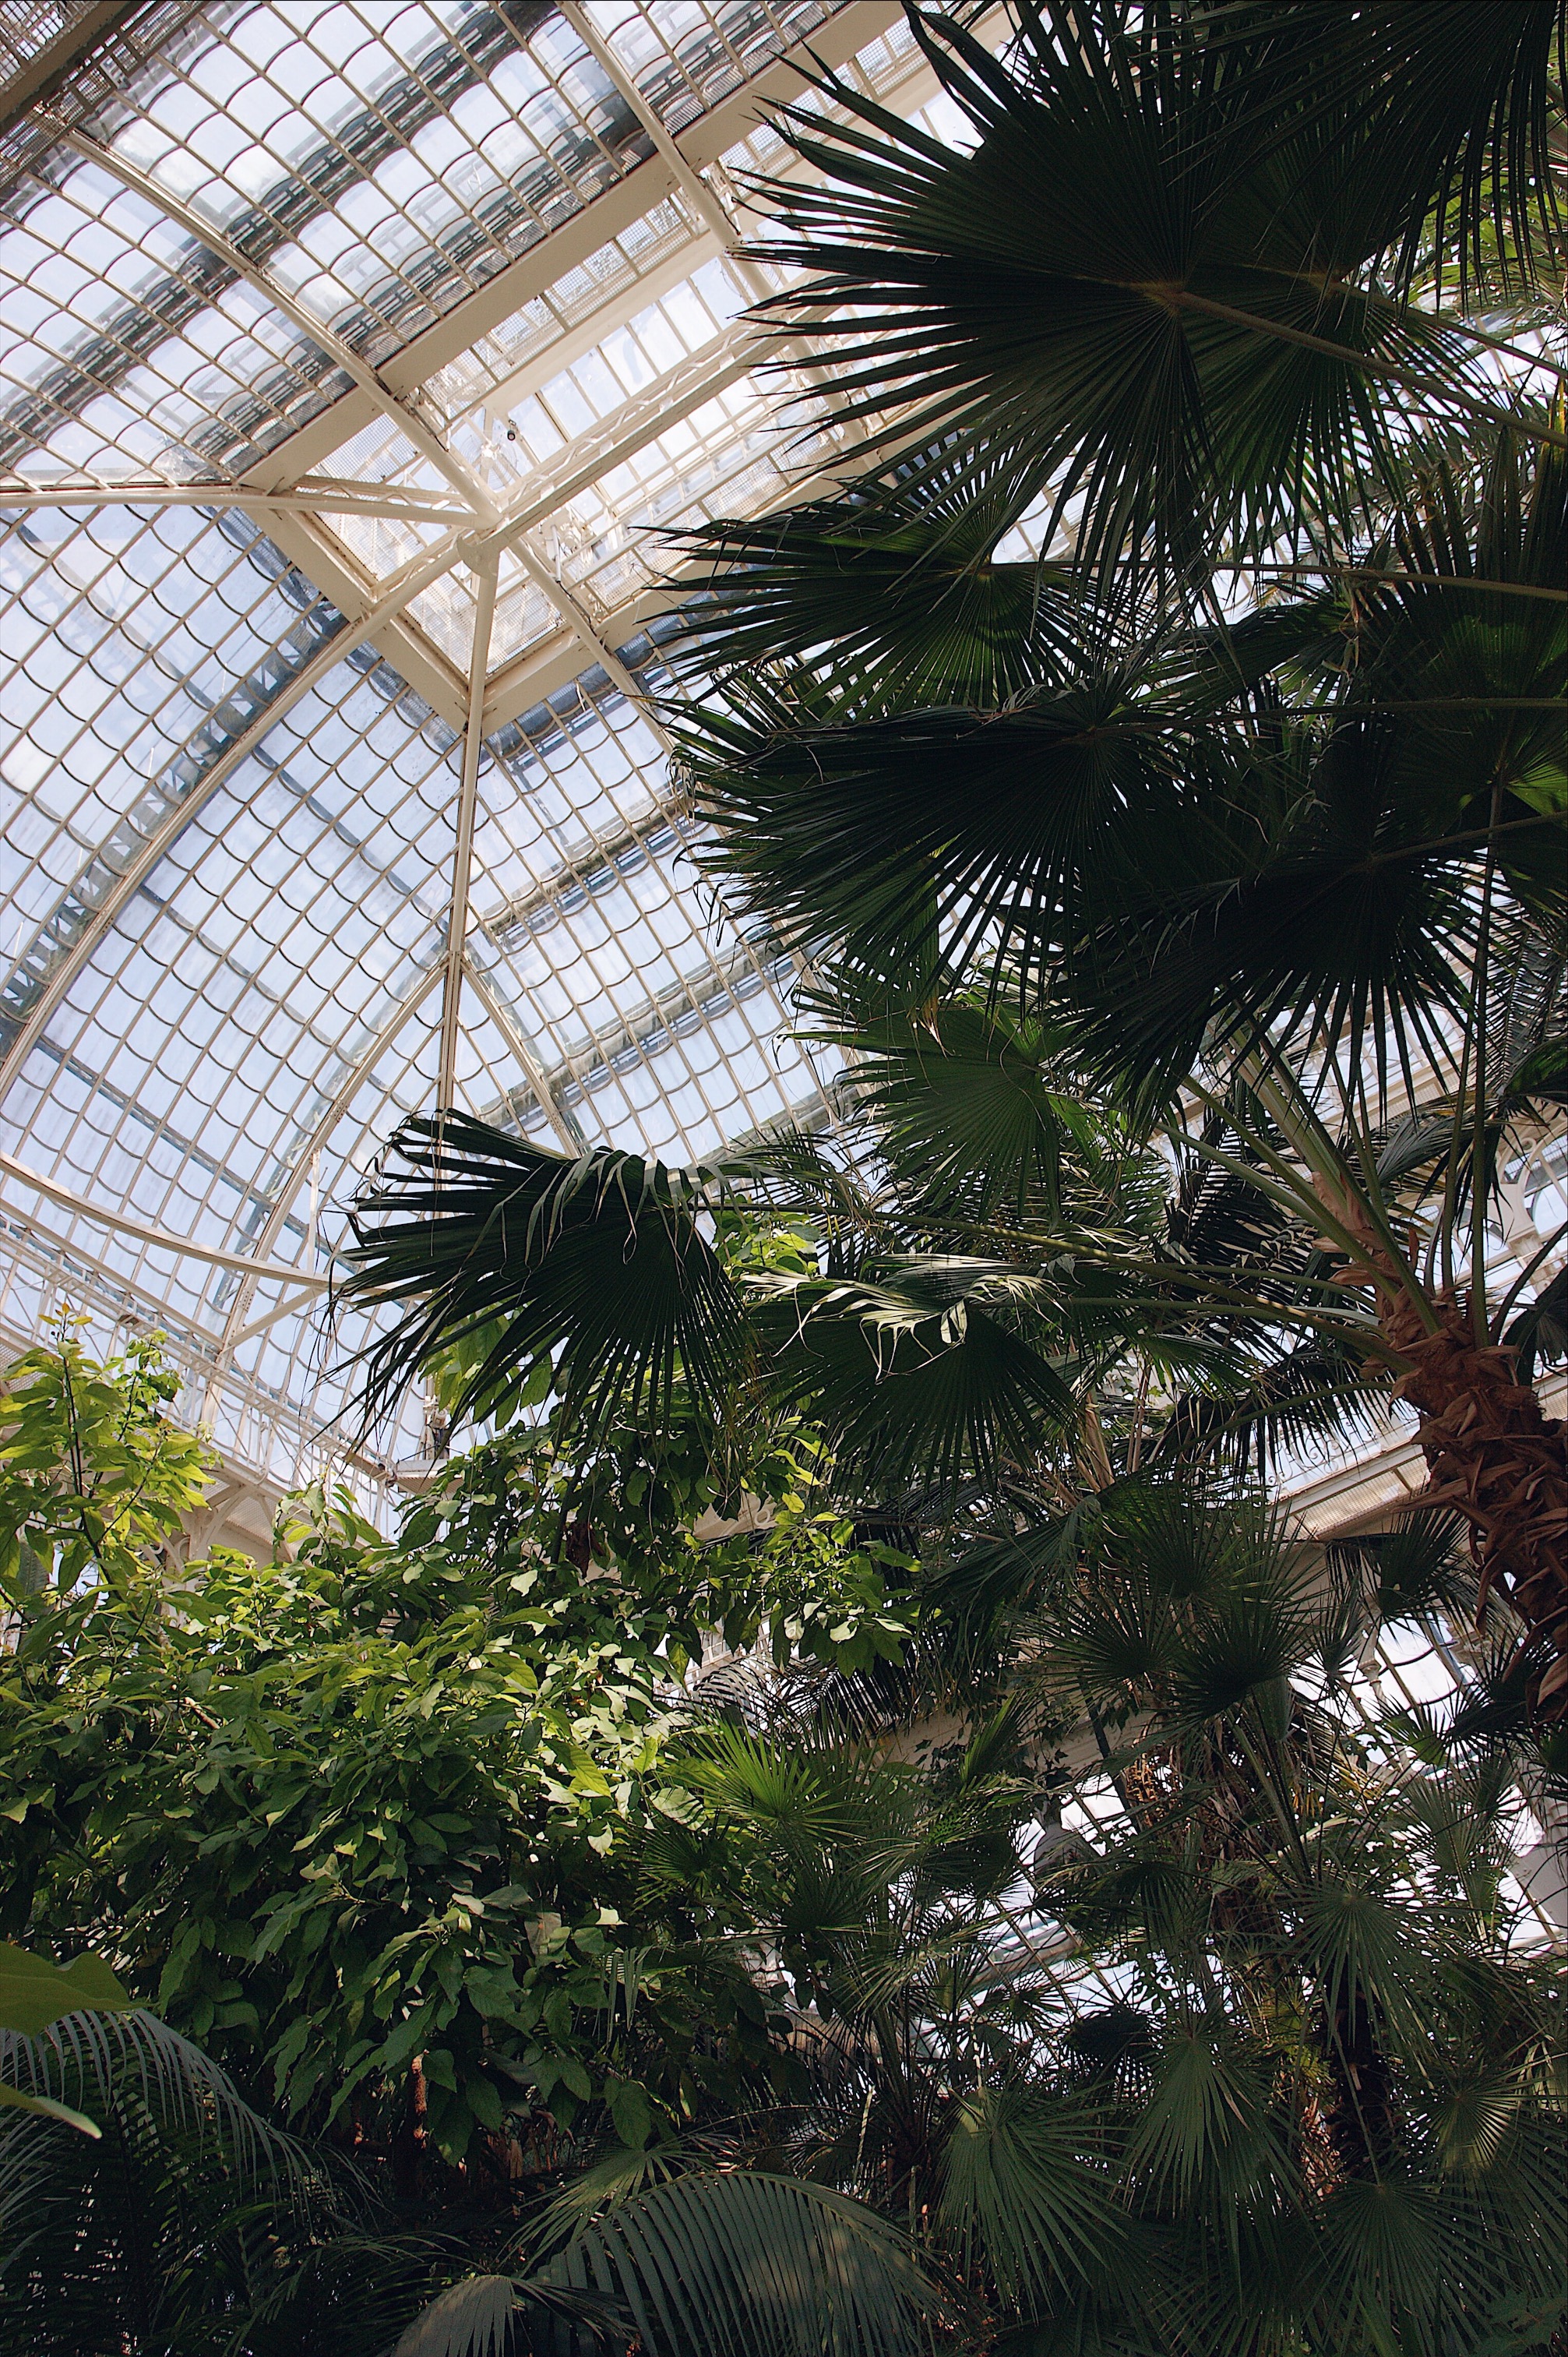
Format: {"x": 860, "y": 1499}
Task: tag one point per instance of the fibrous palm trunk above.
{"x": 1495, "y": 1457}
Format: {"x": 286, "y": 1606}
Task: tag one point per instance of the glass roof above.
{"x": 354, "y": 356}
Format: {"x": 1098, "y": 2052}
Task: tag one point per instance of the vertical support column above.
{"x": 463, "y": 855}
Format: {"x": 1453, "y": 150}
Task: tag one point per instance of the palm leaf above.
{"x": 1459, "y": 103}
{"x": 1093, "y": 296}
{"x": 710, "y": 2264}
{"x": 598, "y": 1264}
{"x": 506, "y": 2316}
{"x": 897, "y": 581}
{"x": 921, "y": 1373}
{"x": 963, "y": 1107}
{"x": 1333, "y": 893}
{"x": 1540, "y": 1333}
{"x": 907, "y": 839}
{"x": 169, "y": 2227}
{"x": 1026, "y": 2191}
{"x": 1211, "y": 2121}
{"x": 92, "y": 2059}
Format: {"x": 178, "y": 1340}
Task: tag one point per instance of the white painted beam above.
{"x": 463, "y": 848}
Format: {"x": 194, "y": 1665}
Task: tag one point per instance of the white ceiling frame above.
{"x": 620, "y": 435}
{"x": 590, "y": 327}
{"x": 391, "y": 392}
{"x": 658, "y": 1013}
{"x": 688, "y": 178}
{"x": 626, "y": 430}
{"x": 157, "y": 1311}
{"x": 330, "y": 565}
{"x": 623, "y": 204}
{"x": 710, "y": 370}
{"x": 575, "y": 615}
{"x": 143, "y": 1231}
{"x": 358, "y": 630}
{"x": 313, "y": 497}
{"x": 461, "y": 477}
{"x": 488, "y": 567}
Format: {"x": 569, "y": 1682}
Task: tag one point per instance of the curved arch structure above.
{"x": 353, "y": 357}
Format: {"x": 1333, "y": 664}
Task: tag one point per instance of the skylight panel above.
{"x": 124, "y": 643}
{"x": 221, "y": 967}
{"x": 494, "y": 368}
{"x": 426, "y": 131}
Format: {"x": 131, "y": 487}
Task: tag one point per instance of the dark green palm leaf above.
{"x": 171, "y": 2226}
{"x": 897, "y": 580}
{"x": 1090, "y": 297}
{"x": 598, "y": 1264}
{"x": 1343, "y": 897}
{"x": 1211, "y": 2123}
{"x": 709, "y": 2266}
{"x": 503, "y": 2316}
{"x": 922, "y": 1376}
{"x": 911, "y": 838}
{"x": 1540, "y": 1333}
{"x": 1458, "y": 101}
{"x": 1026, "y": 2192}
{"x": 963, "y": 1107}
{"x": 1333, "y": 915}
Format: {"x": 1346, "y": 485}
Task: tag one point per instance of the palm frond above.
{"x": 896, "y": 582}
{"x": 89, "y": 2060}
{"x": 1539, "y": 1335}
{"x": 1459, "y": 104}
{"x": 905, "y": 840}
{"x": 920, "y": 1372}
{"x": 598, "y": 1265}
{"x": 1091, "y": 295}
{"x": 505, "y": 2316}
{"x": 967, "y": 1110}
{"x": 1027, "y": 2193}
{"x": 709, "y": 2265}
{"x": 174, "y": 2223}
{"x": 1211, "y": 2122}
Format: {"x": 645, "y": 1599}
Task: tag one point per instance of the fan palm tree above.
{"x": 1186, "y": 670}
{"x": 1209, "y": 309}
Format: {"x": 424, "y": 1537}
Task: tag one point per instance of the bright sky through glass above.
{"x": 309, "y": 314}
{"x": 361, "y": 299}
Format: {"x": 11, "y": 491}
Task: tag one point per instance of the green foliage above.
{"x": 33, "y": 1992}
{"x": 372, "y": 1803}
{"x": 739, "y": 2030}
{"x": 368, "y": 1820}
{"x": 545, "y": 1243}
{"x": 708, "y": 2265}
{"x": 95, "y": 1477}
{"x": 160, "y": 2234}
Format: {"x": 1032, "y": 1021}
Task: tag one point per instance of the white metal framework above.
{"x": 354, "y": 356}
